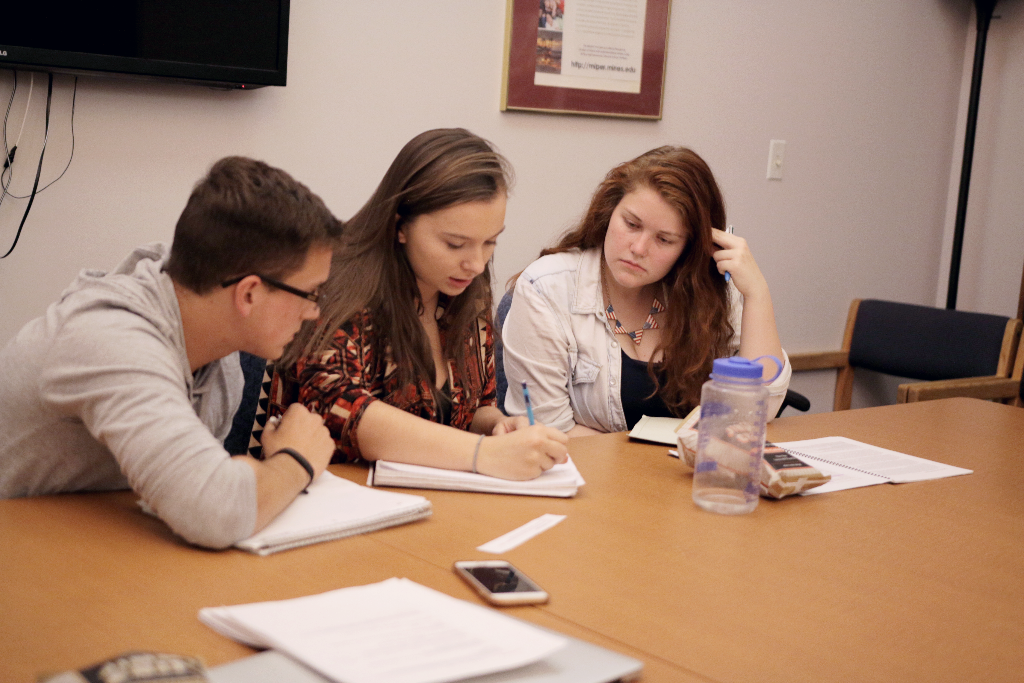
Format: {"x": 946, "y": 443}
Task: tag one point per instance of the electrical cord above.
{"x": 74, "y": 100}
{"x": 39, "y": 168}
{"x": 8, "y": 153}
{"x": 28, "y": 101}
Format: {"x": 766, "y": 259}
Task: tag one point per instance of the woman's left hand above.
{"x": 735, "y": 258}
{"x": 510, "y": 424}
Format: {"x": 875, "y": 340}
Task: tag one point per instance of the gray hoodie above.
{"x": 97, "y": 395}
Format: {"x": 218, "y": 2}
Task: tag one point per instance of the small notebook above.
{"x": 335, "y": 508}
{"x": 663, "y": 429}
{"x": 561, "y": 481}
{"x": 853, "y": 464}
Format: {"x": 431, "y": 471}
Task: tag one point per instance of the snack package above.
{"x": 782, "y": 474}
{"x": 686, "y": 440}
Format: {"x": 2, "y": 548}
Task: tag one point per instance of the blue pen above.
{"x": 529, "y": 405}
{"x": 728, "y": 229}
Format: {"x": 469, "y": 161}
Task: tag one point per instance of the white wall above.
{"x": 866, "y": 95}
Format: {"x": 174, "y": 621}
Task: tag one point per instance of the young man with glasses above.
{"x": 132, "y": 378}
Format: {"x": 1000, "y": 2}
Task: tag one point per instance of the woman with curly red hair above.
{"x": 624, "y": 316}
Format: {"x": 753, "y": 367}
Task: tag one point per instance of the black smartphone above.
{"x": 500, "y": 583}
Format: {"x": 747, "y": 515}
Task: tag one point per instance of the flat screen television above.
{"x": 221, "y": 43}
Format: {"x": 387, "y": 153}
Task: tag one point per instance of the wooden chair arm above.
{"x": 992, "y": 387}
{"x": 818, "y": 360}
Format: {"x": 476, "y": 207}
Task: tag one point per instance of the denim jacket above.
{"x": 557, "y": 339}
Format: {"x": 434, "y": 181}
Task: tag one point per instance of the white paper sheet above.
{"x": 396, "y": 631}
{"x": 560, "y": 481}
{"x": 853, "y": 464}
{"x": 517, "y": 537}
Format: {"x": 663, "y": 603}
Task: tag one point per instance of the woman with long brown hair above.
{"x": 400, "y": 363}
{"x": 624, "y": 316}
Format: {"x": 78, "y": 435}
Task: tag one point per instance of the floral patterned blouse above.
{"x": 346, "y": 378}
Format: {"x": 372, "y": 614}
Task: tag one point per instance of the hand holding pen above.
{"x": 301, "y": 435}
{"x": 736, "y": 264}
{"x": 521, "y": 451}
{"x": 511, "y": 423}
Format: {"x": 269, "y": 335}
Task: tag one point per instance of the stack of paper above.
{"x": 561, "y": 481}
{"x": 396, "y": 631}
{"x": 335, "y": 508}
{"x": 853, "y": 464}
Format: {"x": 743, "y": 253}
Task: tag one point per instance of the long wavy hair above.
{"x": 697, "y": 328}
{"x": 435, "y": 170}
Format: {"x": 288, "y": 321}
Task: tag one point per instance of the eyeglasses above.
{"x": 308, "y": 296}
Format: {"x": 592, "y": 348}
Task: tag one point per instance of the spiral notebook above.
{"x": 853, "y": 464}
{"x": 335, "y": 508}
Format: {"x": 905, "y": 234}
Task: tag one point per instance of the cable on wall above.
{"x": 74, "y": 99}
{"x": 39, "y": 168}
{"x": 9, "y": 153}
{"x": 8, "y": 166}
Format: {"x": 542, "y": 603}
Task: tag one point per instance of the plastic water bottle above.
{"x": 730, "y": 442}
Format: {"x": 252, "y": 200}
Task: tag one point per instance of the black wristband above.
{"x": 301, "y": 459}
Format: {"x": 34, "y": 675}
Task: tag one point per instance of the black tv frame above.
{"x": 212, "y": 75}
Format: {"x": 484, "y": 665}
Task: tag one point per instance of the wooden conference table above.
{"x": 911, "y": 582}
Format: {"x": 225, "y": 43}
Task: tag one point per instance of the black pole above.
{"x": 984, "y": 9}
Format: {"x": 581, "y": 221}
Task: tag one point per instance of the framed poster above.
{"x": 598, "y": 57}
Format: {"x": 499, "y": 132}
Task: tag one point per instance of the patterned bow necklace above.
{"x": 649, "y": 324}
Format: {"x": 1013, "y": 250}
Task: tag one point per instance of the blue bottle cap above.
{"x": 737, "y": 368}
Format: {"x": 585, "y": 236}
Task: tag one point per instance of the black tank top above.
{"x": 444, "y": 404}
{"x": 636, "y": 386}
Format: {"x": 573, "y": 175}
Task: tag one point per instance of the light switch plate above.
{"x": 776, "y": 152}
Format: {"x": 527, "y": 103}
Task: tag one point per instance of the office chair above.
{"x": 1004, "y": 389}
{"x": 793, "y": 399}
{"x": 957, "y": 353}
